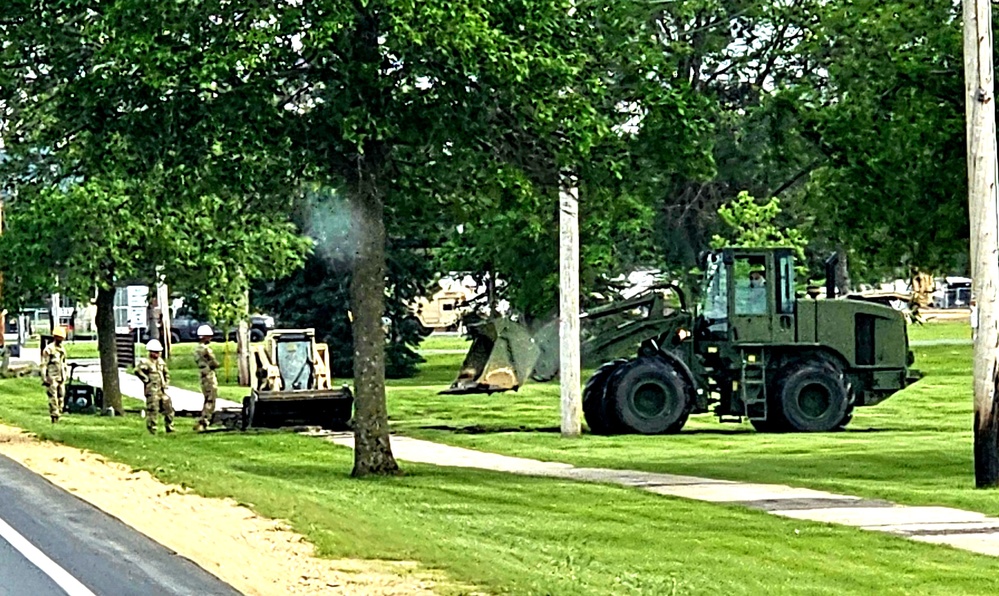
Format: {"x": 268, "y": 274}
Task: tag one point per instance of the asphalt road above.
{"x": 54, "y": 543}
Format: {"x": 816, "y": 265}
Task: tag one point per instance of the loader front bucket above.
{"x": 501, "y": 358}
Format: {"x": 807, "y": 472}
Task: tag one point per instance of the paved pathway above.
{"x": 183, "y": 399}
{"x": 966, "y": 530}
{"x": 27, "y": 357}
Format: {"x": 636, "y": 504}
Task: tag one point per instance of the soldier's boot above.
{"x": 200, "y": 426}
{"x": 169, "y": 428}
{"x": 54, "y": 419}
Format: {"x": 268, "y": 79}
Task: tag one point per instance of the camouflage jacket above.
{"x": 153, "y": 374}
{"x": 206, "y": 361}
{"x": 54, "y": 364}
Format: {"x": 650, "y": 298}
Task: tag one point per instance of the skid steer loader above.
{"x": 752, "y": 349}
{"x": 291, "y": 384}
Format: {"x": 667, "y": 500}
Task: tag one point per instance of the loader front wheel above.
{"x": 650, "y": 396}
{"x": 594, "y": 410}
{"x": 813, "y": 397}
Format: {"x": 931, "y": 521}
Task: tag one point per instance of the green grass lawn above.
{"x": 915, "y": 448}
{"x": 517, "y": 535}
{"x": 943, "y": 330}
{"x": 445, "y": 342}
{"x": 81, "y": 349}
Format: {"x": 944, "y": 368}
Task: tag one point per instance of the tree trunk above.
{"x": 842, "y": 272}
{"x": 982, "y": 210}
{"x": 107, "y": 349}
{"x": 372, "y": 449}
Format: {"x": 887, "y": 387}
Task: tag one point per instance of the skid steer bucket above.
{"x": 502, "y": 356}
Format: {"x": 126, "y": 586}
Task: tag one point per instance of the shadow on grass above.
{"x": 483, "y": 430}
{"x": 478, "y": 429}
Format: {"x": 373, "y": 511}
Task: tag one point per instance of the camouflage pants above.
{"x": 56, "y": 391}
{"x": 210, "y": 389}
{"x": 155, "y": 404}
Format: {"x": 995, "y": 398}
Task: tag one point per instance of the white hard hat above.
{"x": 205, "y": 331}
{"x": 154, "y": 345}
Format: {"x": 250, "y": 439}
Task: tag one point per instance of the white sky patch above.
{"x": 633, "y": 124}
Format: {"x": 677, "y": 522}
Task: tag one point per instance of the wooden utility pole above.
{"x": 982, "y": 207}
{"x": 3, "y": 312}
{"x": 572, "y": 401}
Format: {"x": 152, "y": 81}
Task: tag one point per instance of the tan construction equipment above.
{"x": 291, "y": 384}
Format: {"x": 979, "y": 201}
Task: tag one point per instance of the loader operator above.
{"x": 751, "y": 295}
{"x": 207, "y": 364}
{"x": 153, "y": 373}
{"x": 54, "y": 373}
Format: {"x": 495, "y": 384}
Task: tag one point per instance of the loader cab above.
{"x": 294, "y": 357}
{"x": 748, "y": 296}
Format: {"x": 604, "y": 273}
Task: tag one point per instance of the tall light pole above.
{"x": 982, "y": 208}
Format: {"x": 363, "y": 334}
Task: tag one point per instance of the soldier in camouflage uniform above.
{"x": 207, "y": 364}
{"x": 54, "y": 375}
{"x": 153, "y": 373}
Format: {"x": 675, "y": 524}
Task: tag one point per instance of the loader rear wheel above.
{"x": 650, "y": 396}
{"x": 813, "y": 397}
{"x": 594, "y": 410}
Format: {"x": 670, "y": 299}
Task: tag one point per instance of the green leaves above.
{"x": 755, "y": 225}
{"x": 889, "y": 116}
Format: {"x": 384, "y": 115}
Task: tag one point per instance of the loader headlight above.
{"x": 683, "y": 334}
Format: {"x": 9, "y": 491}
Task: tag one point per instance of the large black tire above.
{"x": 256, "y": 335}
{"x": 650, "y": 396}
{"x": 812, "y": 396}
{"x": 594, "y": 410}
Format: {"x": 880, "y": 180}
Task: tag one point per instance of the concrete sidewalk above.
{"x": 967, "y": 530}
{"x": 183, "y": 399}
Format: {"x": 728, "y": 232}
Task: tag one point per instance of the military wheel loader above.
{"x": 290, "y": 383}
{"x": 751, "y": 349}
